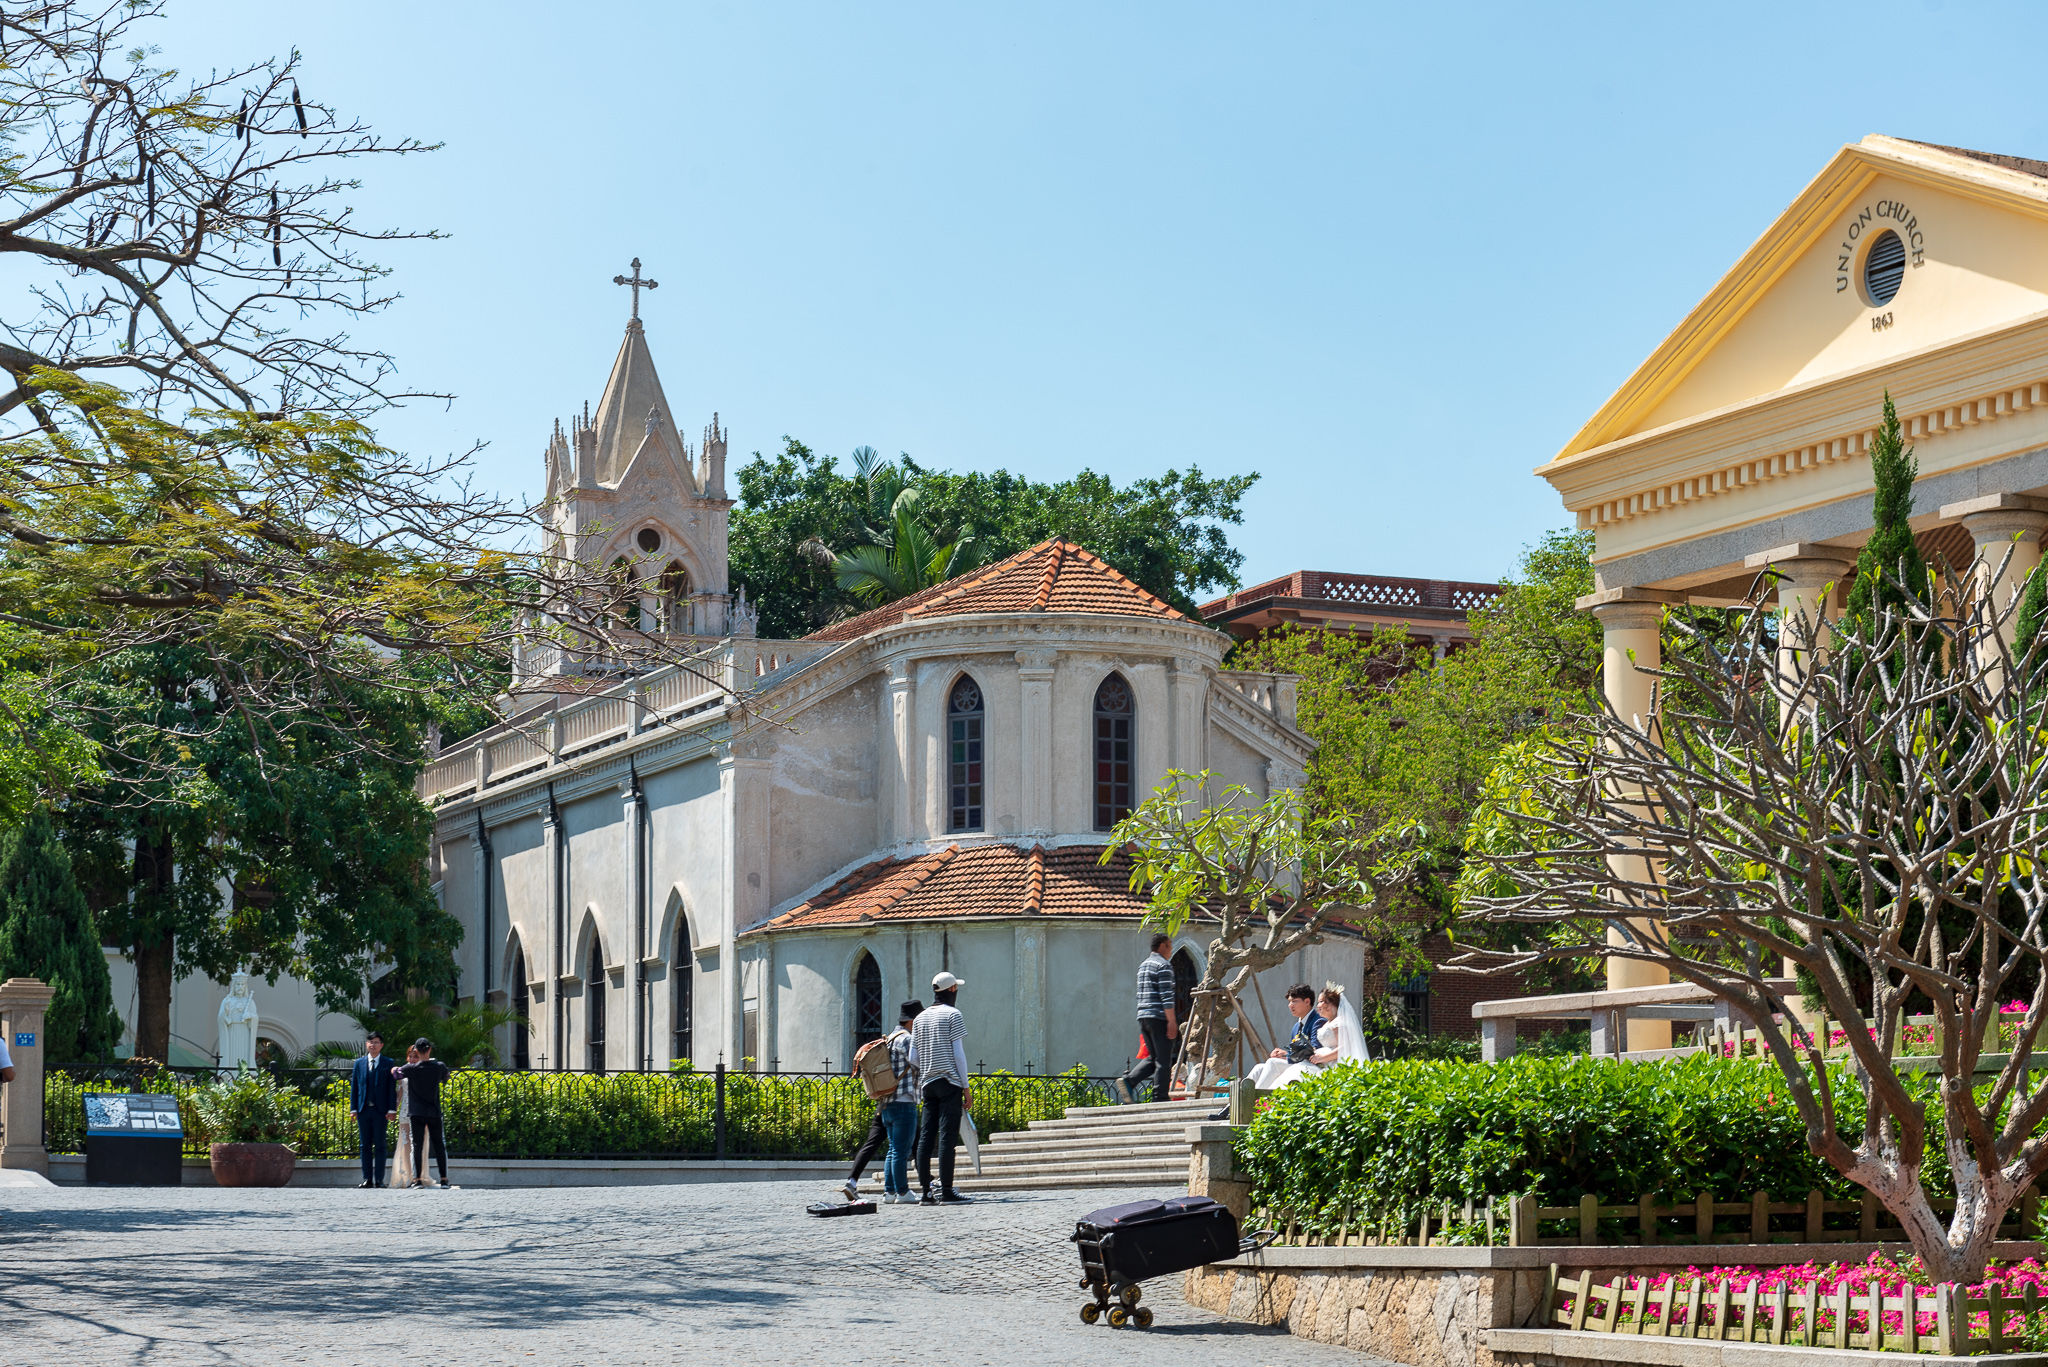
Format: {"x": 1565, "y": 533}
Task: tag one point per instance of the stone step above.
{"x": 971, "y": 1183}
{"x": 1059, "y": 1130}
{"x": 1135, "y": 1115}
{"x": 1017, "y": 1153}
{"x": 1197, "y": 1104}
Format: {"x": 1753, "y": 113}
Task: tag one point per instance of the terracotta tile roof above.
{"x": 2024, "y": 165}
{"x": 1053, "y": 576}
{"x": 982, "y": 880}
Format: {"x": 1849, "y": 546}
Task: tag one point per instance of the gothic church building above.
{"x": 753, "y": 862}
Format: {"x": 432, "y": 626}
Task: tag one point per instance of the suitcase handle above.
{"x": 1256, "y": 1240}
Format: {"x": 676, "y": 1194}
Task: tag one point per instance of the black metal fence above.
{"x": 616, "y": 1115}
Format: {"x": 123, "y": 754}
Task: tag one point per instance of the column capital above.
{"x": 1996, "y": 505}
{"x": 1607, "y": 598}
{"x": 1037, "y": 659}
{"x": 1806, "y": 556}
{"x": 1629, "y": 609}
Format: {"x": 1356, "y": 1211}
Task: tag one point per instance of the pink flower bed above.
{"x": 1893, "y": 1275}
{"x": 1914, "y": 1034}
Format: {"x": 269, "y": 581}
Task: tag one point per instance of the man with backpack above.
{"x": 887, "y": 1067}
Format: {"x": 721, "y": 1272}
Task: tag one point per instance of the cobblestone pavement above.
{"x": 659, "y": 1274}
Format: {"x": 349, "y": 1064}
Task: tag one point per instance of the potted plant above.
{"x": 248, "y": 1121}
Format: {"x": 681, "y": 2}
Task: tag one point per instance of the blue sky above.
{"x": 1389, "y": 258}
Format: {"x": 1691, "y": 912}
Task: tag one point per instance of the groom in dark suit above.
{"x": 371, "y": 1097}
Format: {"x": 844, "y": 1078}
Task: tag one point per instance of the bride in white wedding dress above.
{"x": 1340, "y": 1039}
{"x": 405, "y": 1167}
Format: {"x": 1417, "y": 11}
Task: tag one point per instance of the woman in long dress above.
{"x": 1340, "y": 1039}
{"x": 405, "y": 1169}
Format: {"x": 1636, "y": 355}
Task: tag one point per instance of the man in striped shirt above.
{"x": 895, "y": 1123}
{"x": 1158, "y": 1024}
{"x": 940, "y": 1041}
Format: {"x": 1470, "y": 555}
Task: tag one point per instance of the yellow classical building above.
{"x": 1742, "y": 443}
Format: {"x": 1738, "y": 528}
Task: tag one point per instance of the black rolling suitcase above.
{"x": 1124, "y": 1245}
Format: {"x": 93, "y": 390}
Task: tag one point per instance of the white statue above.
{"x": 238, "y": 1024}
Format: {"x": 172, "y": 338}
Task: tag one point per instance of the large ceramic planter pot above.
{"x": 251, "y": 1165}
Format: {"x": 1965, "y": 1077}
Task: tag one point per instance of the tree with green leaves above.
{"x": 47, "y": 932}
{"x": 1167, "y": 532}
{"x": 210, "y": 844}
{"x": 1271, "y": 878}
{"x": 1402, "y": 735}
{"x": 899, "y": 553}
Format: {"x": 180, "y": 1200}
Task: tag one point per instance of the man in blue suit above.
{"x": 372, "y": 1095}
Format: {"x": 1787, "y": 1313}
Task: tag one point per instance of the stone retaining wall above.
{"x": 1430, "y": 1317}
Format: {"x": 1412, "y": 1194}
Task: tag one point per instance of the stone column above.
{"x": 480, "y": 873}
{"x": 1034, "y": 763}
{"x": 1029, "y": 976}
{"x": 1630, "y": 620}
{"x": 636, "y": 927}
{"x": 22, "y": 1004}
{"x": 1810, "y": 581}
{"x": 1188, "y": 686}
{"x": 744, "y": 781}
{"x": 900, "y": 700}
{"x": 551, "y": 844}
{"x": 2007, "y": 530}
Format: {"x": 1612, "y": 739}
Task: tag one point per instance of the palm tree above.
{"x": 900, "y": 555}
{"x": 463, "y": 1035}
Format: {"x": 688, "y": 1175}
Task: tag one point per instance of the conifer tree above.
{"x": 2033, "y": 608}
{"x": 1890, "y": 558}
{"x": 47, "y": 932}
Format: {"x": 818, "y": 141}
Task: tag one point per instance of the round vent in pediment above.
{"x": 1884, "y": 268}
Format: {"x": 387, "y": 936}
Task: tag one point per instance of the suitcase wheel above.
{"x": 1090, "y": 1312}
{"x": 1142, "y": 1317}
{"x": 1130, "y": 1294}
{"x": 1117, "y": 1316}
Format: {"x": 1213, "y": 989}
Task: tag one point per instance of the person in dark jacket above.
{"x": 371, "y": 1097}
{"x": 423, "y": 1107}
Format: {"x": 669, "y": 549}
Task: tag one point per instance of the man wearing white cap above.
{"x": 939, "y": 1039}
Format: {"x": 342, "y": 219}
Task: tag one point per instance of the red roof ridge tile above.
{"x": 1051, "y": 576}
{"x": 1034, "y": 882}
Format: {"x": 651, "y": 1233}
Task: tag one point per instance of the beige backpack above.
{"x": 875, "y": 1070}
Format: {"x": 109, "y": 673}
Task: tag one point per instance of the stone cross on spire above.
{"x": 638, "y": 284}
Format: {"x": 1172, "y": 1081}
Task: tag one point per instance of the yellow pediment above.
{"x": 1813, "y": 298}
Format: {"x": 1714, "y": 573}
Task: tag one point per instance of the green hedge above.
{"x": 619, "y": 1115}
{"x": 1391, "y": 1139}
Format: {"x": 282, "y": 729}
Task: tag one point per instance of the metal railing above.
{"x": 718, "y": 1113}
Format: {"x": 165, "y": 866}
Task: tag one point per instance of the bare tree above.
{"x": 1876, "y": 823}
{"x": 1272, "y": 881}
{"x": 190, "y": 463}
{"x": 191, "y": 234}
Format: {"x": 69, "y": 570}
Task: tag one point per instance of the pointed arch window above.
{"x": 1115, "y": 726}
{"x": 593, "y": 995}
{"x": 675, "y": 600}
{"x": 623, "y": 611}
{"x": 868, "y": 1019}
{"x": 522, "y": 1007}
{"x": 964, "y": 754}
{"x": 682, "y": 995}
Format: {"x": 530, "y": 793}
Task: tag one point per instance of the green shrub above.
{"x": 583, "y": 1115}
{"x": 1391, "y": 1139}
{"x": 249, "y": 1108}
